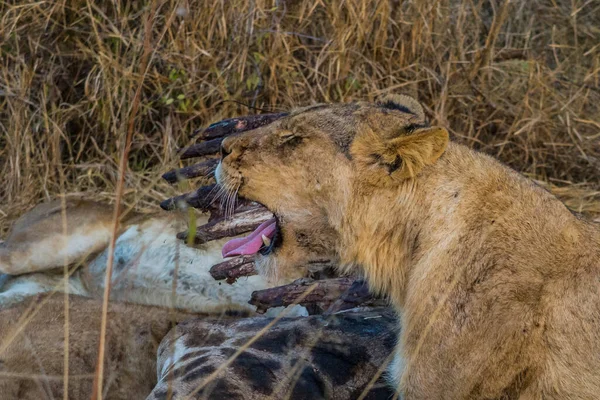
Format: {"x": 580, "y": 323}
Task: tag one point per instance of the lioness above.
{"x": 496, "y": 281}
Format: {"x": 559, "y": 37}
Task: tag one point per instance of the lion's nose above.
{"x": 225, "y": 149}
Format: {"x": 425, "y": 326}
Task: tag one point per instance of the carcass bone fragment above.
{"x": 241, "y": 206}
{"x": 207, "y": 199}
{"x": 326, "y": 291}
{"x": 202, "y": 199}
{"x": 202, "y": 149}
{"x": 241, "y": 222}
{"x": 235, "y": 125}
{"x": 358, "y": 295}
{"x": 234, "y": 268}
{"x": 330, "y": 295}
{"x": 204, "y": 169}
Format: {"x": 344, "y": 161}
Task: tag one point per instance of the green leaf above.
{"x": 252, "y": 82}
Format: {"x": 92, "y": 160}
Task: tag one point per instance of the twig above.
{"x": 484, "y": 57}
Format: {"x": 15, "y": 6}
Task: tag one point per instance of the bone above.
{"x": 232, "y": 126}
{"x": 202, "y": 149}
{"x": 234, "y": 268}
{"x": 357, "y": 295}
{"x": 206, "y": 199}
{"x": 242, "y": 222}
{"x": 202, "y": 199}
{"x": 204, "y": 169}
{"x": 241, "y": 206}
{"x": 244, "y": 266}
{"x": 327, "y": 291}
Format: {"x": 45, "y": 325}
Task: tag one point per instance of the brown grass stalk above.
{"x": 99, "y": 374}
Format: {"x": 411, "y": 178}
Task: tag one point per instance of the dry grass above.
{"x": 518, "y": 80}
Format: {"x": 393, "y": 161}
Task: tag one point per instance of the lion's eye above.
{"x": 290, "y": 139}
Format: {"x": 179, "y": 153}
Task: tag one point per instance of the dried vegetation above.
{"x": 518, "y": 79}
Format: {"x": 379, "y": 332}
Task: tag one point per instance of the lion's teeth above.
{"x": 266, "y": 240}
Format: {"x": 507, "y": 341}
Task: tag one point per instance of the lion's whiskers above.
{"x": 227, "y": 196}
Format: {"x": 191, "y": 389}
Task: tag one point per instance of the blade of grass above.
{"x": 99, "y": 373}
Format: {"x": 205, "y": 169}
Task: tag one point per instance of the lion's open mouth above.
{"x": 264, "y": 239}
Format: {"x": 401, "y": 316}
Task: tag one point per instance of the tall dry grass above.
{"x": 517, "y": 79}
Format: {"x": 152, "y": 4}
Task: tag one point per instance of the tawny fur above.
{"x": 496, "y": 281}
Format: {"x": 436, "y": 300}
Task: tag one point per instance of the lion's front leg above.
{"x": 408, "y": 380}
{"x": 396, "y": 370}
{"x": 432, "y": 374}
{"x": 476, "y": 364}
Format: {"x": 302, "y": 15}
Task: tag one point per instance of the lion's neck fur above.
{"x": 422, "y": 225}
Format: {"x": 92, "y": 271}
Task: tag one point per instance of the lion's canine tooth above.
{"x": 266, "y": 240}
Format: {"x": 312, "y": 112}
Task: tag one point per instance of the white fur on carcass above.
{"x": 151, "y": 266}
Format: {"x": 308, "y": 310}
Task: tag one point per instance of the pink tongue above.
{"x": 251, "y": 243}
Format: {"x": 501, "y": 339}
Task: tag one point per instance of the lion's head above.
{"x": 308, "y": 166}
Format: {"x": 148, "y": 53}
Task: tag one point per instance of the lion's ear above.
{"x": 402, "y": 157}
{"x": 404, "y": 103}
{"x": 417, "y": 150}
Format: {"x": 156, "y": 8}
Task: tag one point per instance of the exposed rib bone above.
{"x": 241, "y": 206}
{"x": 232, "y": 126}
{"x": 330, "y": 295}
{"x": 202, "y": 199}
{"x": 242, "y": 222}
{"x": 357, "y": 295}
{"x": 327, "y": 290}
{"x": 234, "y": 268}
{"x": 206, "y": 199}
{"x": 205, "y": 148}
{"x": 205, "y": 168}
